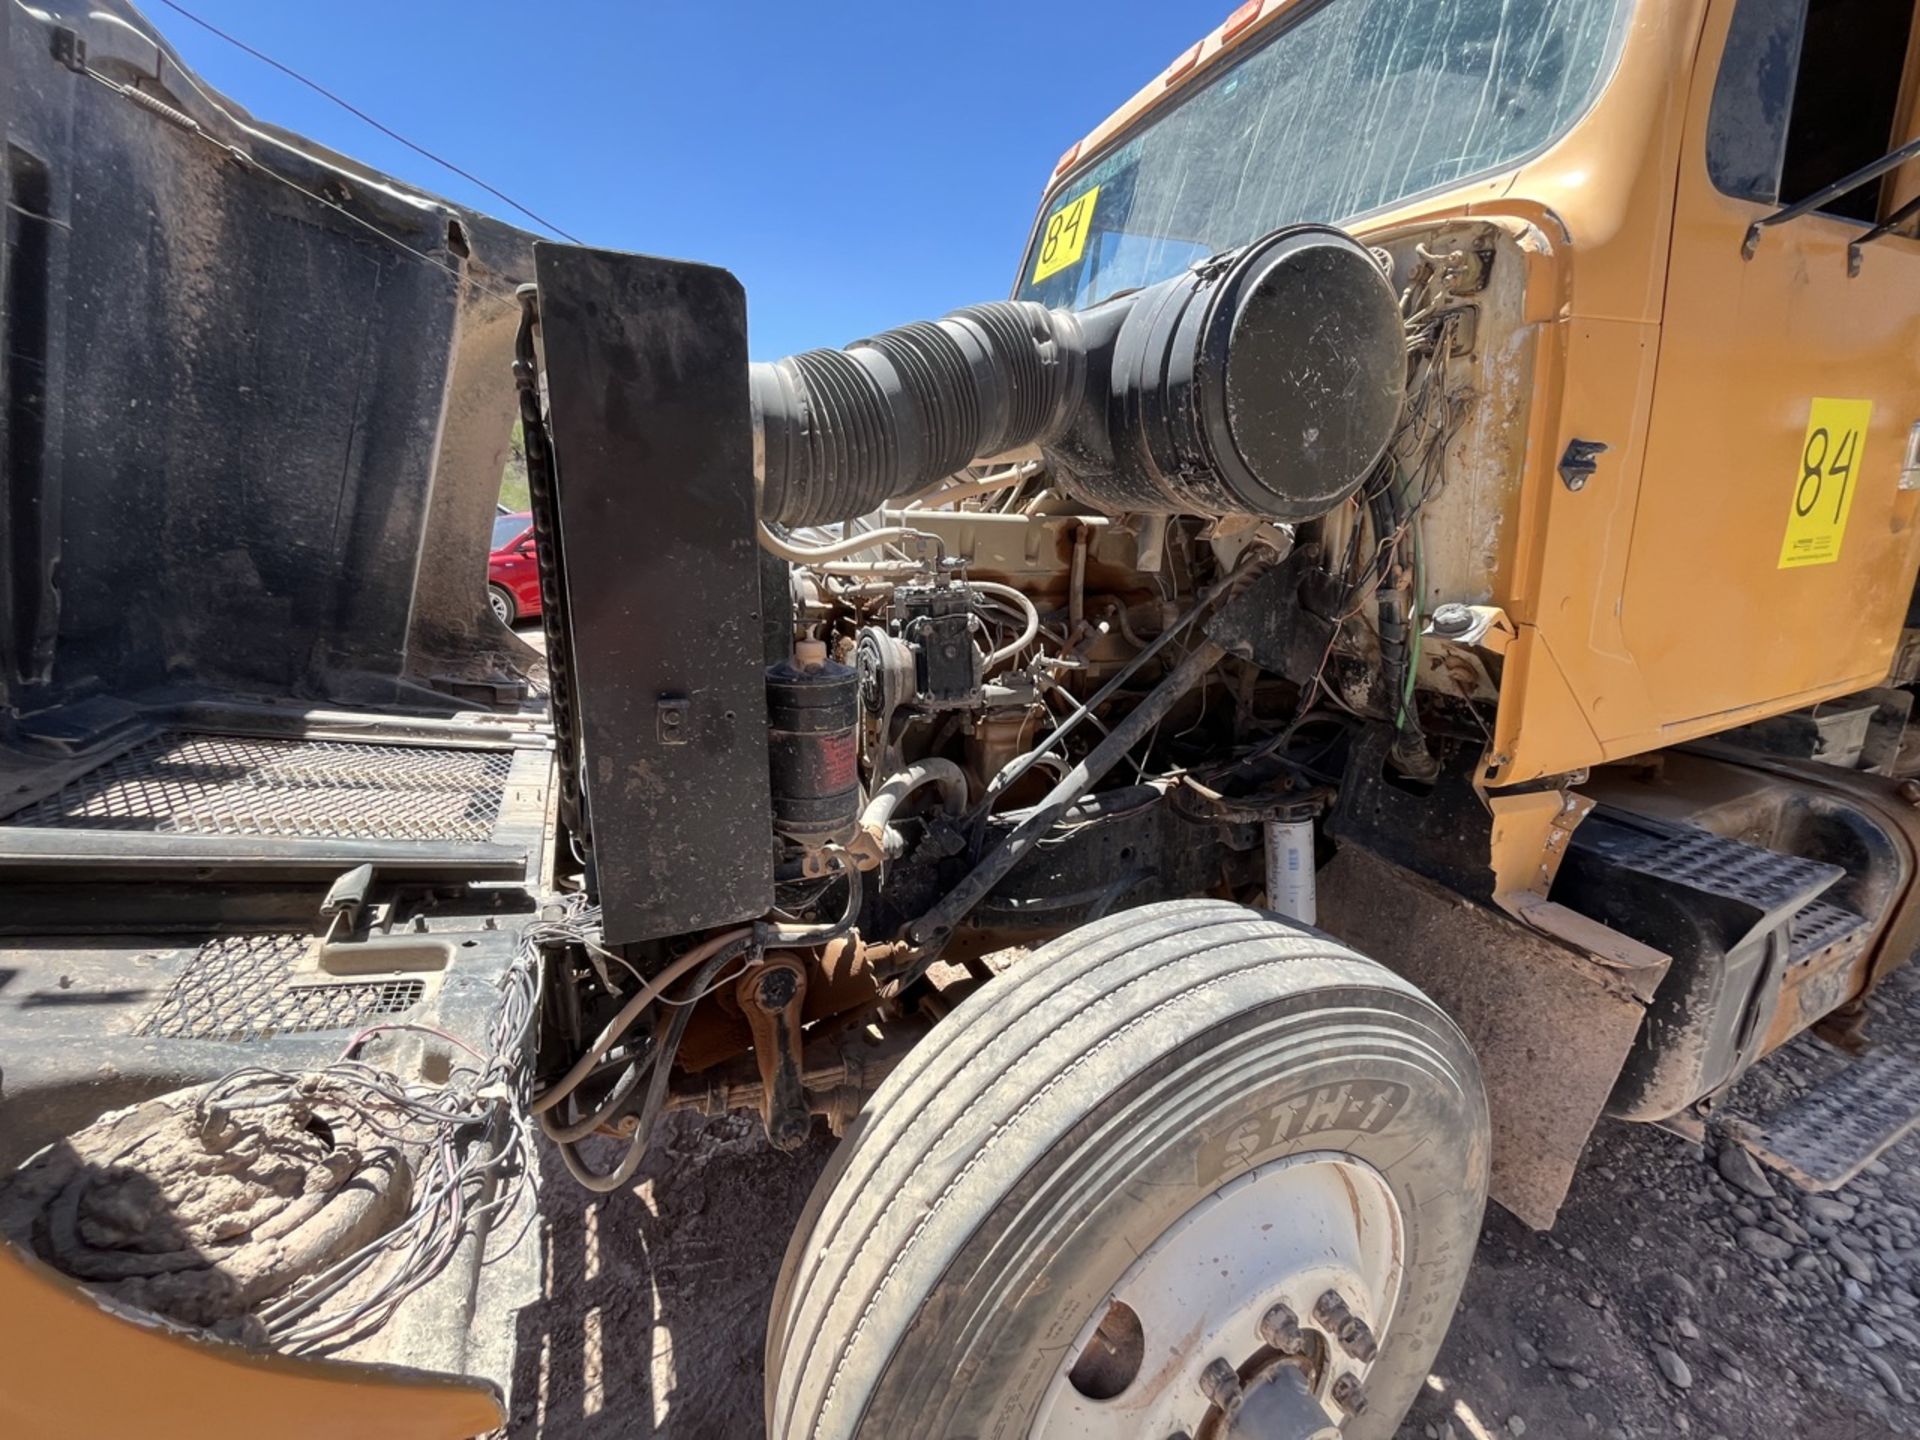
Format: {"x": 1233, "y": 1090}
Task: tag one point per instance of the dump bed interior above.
{"x": 270, "y": 771}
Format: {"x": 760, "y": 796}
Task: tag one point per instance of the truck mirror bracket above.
{"x": 1892, "y": 160}
{"x": 1899, "y": 217}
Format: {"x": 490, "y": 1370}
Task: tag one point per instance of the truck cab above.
{"x": 1396, "y": 641}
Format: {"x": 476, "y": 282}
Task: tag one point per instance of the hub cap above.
{"x": 1259, "y": 1311}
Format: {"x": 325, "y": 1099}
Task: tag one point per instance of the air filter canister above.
{"x": 1266, "y": 382}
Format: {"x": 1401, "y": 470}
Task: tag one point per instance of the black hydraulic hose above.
{"x": 770, "y": 936}
{"x": 623, "y": 1087}
{"x": 938, "y": 923}
{"x": 1020, "y": 764}
{"x": 668, "y": 1045}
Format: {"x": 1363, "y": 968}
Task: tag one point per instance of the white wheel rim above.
{"x": 1285, "y": 1233}
{"x": 500, "y": 607}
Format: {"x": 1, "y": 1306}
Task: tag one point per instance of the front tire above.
{"x": 1182, "y": 1078}
{"x": 501, "y": 600}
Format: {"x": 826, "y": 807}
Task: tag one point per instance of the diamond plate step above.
{"x": 1822, "y": 925}
{"x": 1777, "y": 885}
{"x": 1827, "y": 1135}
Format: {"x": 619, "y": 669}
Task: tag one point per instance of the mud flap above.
{"x": 1551, "y": 1023}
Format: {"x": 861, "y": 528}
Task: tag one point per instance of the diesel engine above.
{"x": 1053, "y": 612}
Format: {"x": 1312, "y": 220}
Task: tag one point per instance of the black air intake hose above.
{"x": 844, "y": 431}
{"x": 1266, "y": 381}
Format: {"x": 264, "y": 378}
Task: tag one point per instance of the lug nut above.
{"x": 1280, "y": 1328}
{"x": 1353, "y": 1333}
{"x": 1348, "y": 1395}
{"x": 1220, "y": 1383}
{"x": 1356, "y": 1338}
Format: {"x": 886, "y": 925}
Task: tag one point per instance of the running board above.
{"x": 1831, "y": 1132}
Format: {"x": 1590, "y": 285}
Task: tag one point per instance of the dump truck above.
{"x": 1395, "y": 641}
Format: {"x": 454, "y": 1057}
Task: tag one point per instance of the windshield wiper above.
{"x": 1891, "y": 161}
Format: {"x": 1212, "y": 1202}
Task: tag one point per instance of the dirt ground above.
{"x": 1650, "y": 1311}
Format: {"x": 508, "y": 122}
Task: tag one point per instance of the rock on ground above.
{"x": 1740, "y": 1170}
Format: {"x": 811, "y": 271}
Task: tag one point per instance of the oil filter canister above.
{"x": 813, "y": 716}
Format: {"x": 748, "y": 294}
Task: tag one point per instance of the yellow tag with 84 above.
{"x": 1065, "y": 239}
{"x": 1830, "y": 461}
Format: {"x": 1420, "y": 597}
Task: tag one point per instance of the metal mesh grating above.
{"x": 235, "y": 988}
{"x": 316, "y": 789}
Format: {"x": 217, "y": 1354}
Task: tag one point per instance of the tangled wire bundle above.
{"x": 474, "y": 1165}
{"x": 295, "y": 1210}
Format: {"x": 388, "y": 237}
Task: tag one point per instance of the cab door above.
{"x": 1774, "y": 548}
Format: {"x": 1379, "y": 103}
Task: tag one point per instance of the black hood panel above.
{"x": 251, "y": 443}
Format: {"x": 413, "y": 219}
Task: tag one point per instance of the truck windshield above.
{"x": 1353, "y": 107}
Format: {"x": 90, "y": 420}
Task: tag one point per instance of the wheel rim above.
{"x": 1259, "y": 1311}
{"x": 501, "y": 609}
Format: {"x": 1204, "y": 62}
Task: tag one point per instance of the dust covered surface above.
{"x": 201, "y": 1213}
{"x": 655, "y": 1304}
{"x": 1652, "y": 1310}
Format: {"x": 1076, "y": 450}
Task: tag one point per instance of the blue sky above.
{"x": 857, "y": 164}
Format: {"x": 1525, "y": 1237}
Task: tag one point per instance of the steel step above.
{"x": 1820, "y": 925}
{"x": 1776, "y": 886}
{"x": 1823, "y": 1136}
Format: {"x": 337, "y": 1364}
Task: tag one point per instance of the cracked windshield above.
{"x": 1358, "y": 105}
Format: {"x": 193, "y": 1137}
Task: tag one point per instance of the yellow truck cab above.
{"x": 1617, "y": 158}
{"x": 1396, "y": 641}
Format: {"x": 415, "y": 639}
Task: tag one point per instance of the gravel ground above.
{"x": 1673, "y": 1300}
{"x": 1681, "y": 1294}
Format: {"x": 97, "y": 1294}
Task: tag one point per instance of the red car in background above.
{"x": 513, "y": 570}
